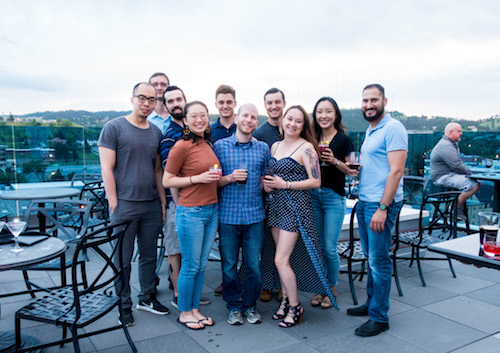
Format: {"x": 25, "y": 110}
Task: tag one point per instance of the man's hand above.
{"x": 377, "y": 223}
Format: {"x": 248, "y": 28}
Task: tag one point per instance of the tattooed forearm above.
{"x": 314, "y": 162}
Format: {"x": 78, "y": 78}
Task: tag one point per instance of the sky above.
{"x": 434, "y": 57}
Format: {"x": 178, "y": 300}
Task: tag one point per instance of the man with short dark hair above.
{"x": 241, "y": 214}
{"x": 448, "y": 170}
{"x": 159, "y": 116}
{"x": 383, "y": 154}
{"x": 274, "y": 102}
{"x": 225, "y": 102}
{"x": 132, "y": 175}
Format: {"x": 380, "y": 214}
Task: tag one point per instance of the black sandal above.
{"x": 296, "y": 313}
{"x": 284, "y": 307}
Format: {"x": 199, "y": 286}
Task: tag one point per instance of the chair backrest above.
{"x": 84, "y": 178}
{"x": 61, "y": 215}
{"x": 443, "y": 210}
{"x": 94, "y": 192}
{"x": 106, "y": 244}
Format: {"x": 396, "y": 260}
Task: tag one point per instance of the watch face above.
{"x": 382, "y": 207}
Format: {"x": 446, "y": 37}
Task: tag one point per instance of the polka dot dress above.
{"x": 291, "y": 210}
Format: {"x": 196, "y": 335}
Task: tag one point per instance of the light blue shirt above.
{"x": 162, "y": 124}
{"x": 389, "y": 135}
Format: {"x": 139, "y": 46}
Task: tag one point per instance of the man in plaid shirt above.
{"x": 241, "y": 214}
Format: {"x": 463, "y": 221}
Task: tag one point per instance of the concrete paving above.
{"x": 449, "y": 315}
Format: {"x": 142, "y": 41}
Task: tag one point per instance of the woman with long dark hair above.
{"x": 295, "y": 170}
{"x": 189, "y": 168}
{"x": 328, "y": 201}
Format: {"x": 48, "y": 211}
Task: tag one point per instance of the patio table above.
{"x": 466, "y": 249}
{"x": 494, "y": 177}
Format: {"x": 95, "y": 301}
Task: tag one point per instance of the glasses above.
{"x": 142, "y": 99}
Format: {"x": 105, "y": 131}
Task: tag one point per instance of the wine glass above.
{"x": 2, "y": 224}
{"x": 16, "y": 227}
{"x": 323, "y": 145}
{"x": 270, "y": 172}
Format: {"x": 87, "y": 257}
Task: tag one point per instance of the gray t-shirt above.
{"x": 136, "y": 151}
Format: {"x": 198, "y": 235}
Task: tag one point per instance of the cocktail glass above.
{"x": 488, "y": 232}
{"x": 16, "y": 227}
{"x": 323, "y": 145}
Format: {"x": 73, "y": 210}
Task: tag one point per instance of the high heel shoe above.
{"x": 284, "y": 307}
{"x": 295, "y": 312}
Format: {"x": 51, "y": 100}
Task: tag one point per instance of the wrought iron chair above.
{"x": 93, "y": 191}
{"x": 415, "y": 190}
{"x": 57, "y": 213}
{"x": 441, "y": 226}
{"x": 352, "y": 251}
{"x": 72, "y": 307}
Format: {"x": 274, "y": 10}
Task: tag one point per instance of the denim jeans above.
{"x": 376, "y": 247}
{"x": 329, "y": 210}
{"x": 196, "y": 228}
{"x": 249, "y": 238}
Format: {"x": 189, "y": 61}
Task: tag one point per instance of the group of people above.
{"x": 269, "y": 192}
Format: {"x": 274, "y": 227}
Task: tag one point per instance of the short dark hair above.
{"x": 159, "y": 74}
{"x": 225, "y": 89}
{"x": 274, "y": 90}
{"x": 338, "y": 117}
{"x": 134, "y": 90}
{"x": 377, "y": 86}
{"x": 173, "y": 88}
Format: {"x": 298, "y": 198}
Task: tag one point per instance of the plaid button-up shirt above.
{"x": 241, "y": 204}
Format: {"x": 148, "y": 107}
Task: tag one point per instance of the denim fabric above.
{"x": 329, "y": 210}
{"x": 376, "y": 247}
{"x": 196, "y": 228}
{"x": 249, "y": 238}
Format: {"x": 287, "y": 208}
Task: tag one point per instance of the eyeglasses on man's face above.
{"x": 143, "y": 98}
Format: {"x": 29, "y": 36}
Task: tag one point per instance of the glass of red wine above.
{"x": 354, "y": 162}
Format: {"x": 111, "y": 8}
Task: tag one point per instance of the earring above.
{"x": 186, "y": 131}
{"x": 207, "y": 130}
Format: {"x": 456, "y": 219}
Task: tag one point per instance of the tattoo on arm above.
{"x": 313, "y": 160}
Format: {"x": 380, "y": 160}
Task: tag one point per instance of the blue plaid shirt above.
{"x": 241, "y": 204}
{"x": 168, "y": 140}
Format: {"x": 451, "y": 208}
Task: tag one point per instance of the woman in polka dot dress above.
{"x": 295, "y": 169}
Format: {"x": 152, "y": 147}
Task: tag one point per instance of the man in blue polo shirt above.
{"x": 383, "y": 157}
{"x": 225, "y": 102}
{"x": 160, "y": 116}
{"x": 241, "y": 214}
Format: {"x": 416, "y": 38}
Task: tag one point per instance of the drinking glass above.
{"x": 270, "y": 172}
{"x": 243, "y": 165}
{"x": 323, "y": 145}
{"x": 216, "y": 168}
{"x": 488, "y": 232}
{"x": 354, "y": 162}
{"x": 16, "y": 227}
{"x": 2, "y": 224}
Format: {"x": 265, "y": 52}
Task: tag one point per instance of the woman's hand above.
{"x": 328, "y": 157}
{"x": 207, "y": 177}
{"x": 273, "y": 182}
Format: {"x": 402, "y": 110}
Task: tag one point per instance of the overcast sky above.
{"x": 433, "y": 57}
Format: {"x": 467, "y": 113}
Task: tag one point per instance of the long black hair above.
{"x": 187, "y": 134}
{"x": 338, "y": 117}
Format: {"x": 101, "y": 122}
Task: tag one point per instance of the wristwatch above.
{"x": 337, "y": 163}
{"x": 382, "y": 207}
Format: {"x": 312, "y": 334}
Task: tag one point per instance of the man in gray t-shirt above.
{"x": 132, "y": 173}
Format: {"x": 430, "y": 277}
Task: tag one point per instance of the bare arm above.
{"x": 159, "y": 186}
{"x": 396, "y": 161}
{"x": 173, "y": 181}
{"x": 107, "y": 158}
{"x": 237, "y": 174}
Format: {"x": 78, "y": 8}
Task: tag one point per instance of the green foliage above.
{"x": 9, "y": 176}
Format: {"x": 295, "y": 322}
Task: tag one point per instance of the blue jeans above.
{"x": 249, "y": 238}
{"x": 376, "y": 247}
{"x": 196, "y": 228}
{"x": 329, "y": 210}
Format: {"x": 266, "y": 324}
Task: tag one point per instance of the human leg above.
{"x": 172, "y": 247}
{"x": 284, "y": 247}
{"x": 230, "y": 243}
{"x": 252, "y": 241}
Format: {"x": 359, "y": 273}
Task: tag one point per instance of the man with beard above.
{"x": 225, "y": 102}
{"x": 270, "y": 132}
{"x": 244, "y": 162}
{"x": 274, "y": 102}
{"x": 175, "y": 100}
{"x": 447, "y": 168}
{"x": 383, "y": 154}
{"x": 159, "y": 116}
{"x": 131, "y": 171}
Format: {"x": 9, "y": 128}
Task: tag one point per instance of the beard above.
{"x": 379, "y": 113}
{"x": 178, "y": 115}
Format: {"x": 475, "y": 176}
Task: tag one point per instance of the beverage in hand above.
{"x": 354, "y": 165}
{"x": 242, "y": 182}
{"x": 323, "y": 145}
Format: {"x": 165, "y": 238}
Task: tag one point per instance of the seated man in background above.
{"x": 447, "y": 168}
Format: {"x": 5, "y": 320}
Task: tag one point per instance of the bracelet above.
{"x": 191, "y": 180}
{"x": 289, "y": 185}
